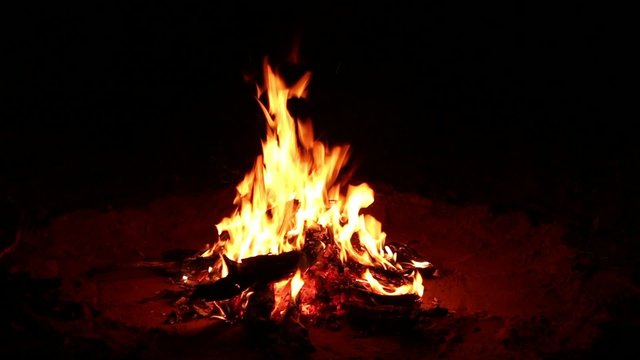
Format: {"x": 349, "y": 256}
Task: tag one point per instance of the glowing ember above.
{"x": 294, "y": 187}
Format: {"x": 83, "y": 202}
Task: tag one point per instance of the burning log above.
{"x": 261, "y": 270}
{"x": 256, "y": 271}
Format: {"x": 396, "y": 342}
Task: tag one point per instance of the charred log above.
{"x": 175, "y": 263}
{"x": 256, "y": 271}
{"x": 260, "y": 303}
{"x": 260, "y": 270}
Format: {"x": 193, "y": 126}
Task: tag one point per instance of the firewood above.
{"x": 261, "y": 269}
{"x": 177, "y": 262}
{"x": 254, "y": 271}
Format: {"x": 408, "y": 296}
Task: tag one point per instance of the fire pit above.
{"x": 297, "y": 246}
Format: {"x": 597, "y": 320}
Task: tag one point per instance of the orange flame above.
{"x": 293, "y": 185}
{"x": 414, "y": 288}
{"x": 296, "y": 284}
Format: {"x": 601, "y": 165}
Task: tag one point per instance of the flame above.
{"x": 415, "y": 288}
{"x": 294, "y": 184}
{"x": 279, "y": 289}
{"x": 296, "y": 284}
{"x": 224, "y": 270}
{"x": 420, "y": 264}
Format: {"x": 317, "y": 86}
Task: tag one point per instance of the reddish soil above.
{"x": 512, "y": 289}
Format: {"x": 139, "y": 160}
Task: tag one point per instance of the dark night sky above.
{"x": 504, "y": 103}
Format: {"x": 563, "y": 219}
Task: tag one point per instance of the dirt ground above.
{"x": 512, "y": 289}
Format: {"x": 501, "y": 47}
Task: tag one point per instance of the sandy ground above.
{"x": 512, "y": 290}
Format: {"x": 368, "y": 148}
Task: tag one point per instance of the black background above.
{"x": 503, "y": 104}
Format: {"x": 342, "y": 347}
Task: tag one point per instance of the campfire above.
{"x": 298, "y": 243}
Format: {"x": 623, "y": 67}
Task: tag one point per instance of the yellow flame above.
{"x": 420, "y": 264}
{"x": 294, "y": 184}
{"x": 296, "y": 284}
{"x": 415, "y": 288}
{"x": 224, "y": 270}
{"x": 281, "y": 302}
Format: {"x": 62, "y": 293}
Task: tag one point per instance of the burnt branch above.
{"x": 255, "y": 271}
